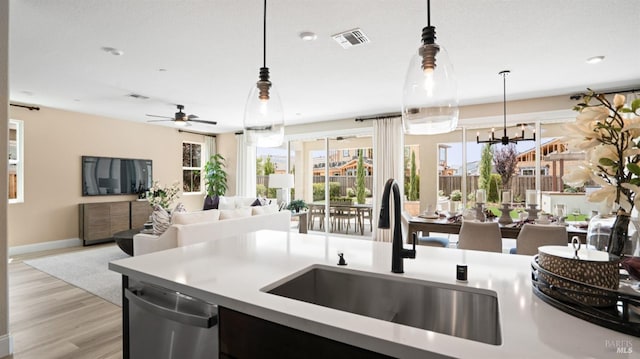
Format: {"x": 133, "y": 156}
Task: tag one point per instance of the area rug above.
{"x": 86, "y": 269}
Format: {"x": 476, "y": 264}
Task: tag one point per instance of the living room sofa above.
{"x": 198, "y": 226}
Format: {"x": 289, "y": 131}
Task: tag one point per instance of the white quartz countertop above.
{"x": 231, "y": 273}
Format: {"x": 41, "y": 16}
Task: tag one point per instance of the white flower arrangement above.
{"x": 163, "y": 196}
{"x": 608, "y": 133}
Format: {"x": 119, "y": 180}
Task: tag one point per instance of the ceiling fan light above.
{"x": 180, "y": 123}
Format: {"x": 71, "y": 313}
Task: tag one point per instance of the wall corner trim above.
{"x": 45, "y": 246}
{"x": 6, "y": 345}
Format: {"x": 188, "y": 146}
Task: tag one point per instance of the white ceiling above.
{"x": 212, "y": 49}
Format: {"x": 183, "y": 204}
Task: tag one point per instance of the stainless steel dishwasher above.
{"x": 167, "y": 324}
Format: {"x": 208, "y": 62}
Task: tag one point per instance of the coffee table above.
{"x": 124, "y": 240}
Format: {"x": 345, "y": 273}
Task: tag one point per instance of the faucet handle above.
{"x": 414, "y": 237}
{"x": 411, "y": 253}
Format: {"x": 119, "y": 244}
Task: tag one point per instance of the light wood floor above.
{"x": 49, "y": 318}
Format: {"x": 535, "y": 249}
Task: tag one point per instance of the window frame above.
{"x": 191, "y": 168}
{"x": 18, "y": 161}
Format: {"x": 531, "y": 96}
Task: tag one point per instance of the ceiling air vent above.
{"x": 351, "y": 38}
{"x": 138, "y": 96}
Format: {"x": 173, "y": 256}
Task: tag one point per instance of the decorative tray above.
{"x": 622, "y": 316}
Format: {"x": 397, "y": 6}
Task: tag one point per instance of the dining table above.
{"x": 356, "y": 211}
{"x": 443, "y": 225}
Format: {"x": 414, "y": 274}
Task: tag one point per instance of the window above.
{"x": 531, "y": 171}
{"x": 191, "y": 167}
{"x": 345, "y": 154}
{"x": 16, "y": 161}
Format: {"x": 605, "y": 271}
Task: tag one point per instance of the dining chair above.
{"x": 316, "y": 211}
{"x": 532, "y": 236}
{"x": 364, "y": 214}
{"x": 342, "y": 213}
{"x": 422, "y": 240}
{"x": 480, "y": 236}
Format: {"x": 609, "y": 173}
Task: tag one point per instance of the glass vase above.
{"x": 599, "y": 230}
{"x": 617, "y": 234}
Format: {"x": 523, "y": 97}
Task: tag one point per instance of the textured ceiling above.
{"x": 212, "y": 49}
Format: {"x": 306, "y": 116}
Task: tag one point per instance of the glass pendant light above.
{"x": 263, "y": 114}
{"x": 429, "y": 98}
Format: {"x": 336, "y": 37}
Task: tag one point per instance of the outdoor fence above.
{"x": 448, "y": 184}
{"x": 345, "y": 182}
{"x": 518, "y": 186}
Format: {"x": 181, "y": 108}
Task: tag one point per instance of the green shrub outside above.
{"x": 318, "y": 190}
{"x": 493, "y": 194}
{"x": 262, "y": 191}
{"x": 456, "y": 195}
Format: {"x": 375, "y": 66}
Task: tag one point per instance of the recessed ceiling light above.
{"x": 111, "y": 50}
{"x": 308, "y": 36}
{"x": 595, "y": 59}
{"x": 162, "y": 70}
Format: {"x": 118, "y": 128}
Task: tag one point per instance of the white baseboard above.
{"x": 45, "y": 246}
{"x": 6, "y": 345}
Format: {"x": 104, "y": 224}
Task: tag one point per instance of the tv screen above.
{"x": 103, "y": 176}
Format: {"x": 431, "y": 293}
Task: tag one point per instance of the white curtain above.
{"x": 388, "y": 161}
{"x": 246, "y": 168}
{"x": 209, "y": 147}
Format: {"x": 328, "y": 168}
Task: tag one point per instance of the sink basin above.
{"x": 468, "y": 313}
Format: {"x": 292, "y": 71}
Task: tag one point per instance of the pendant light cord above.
{"x": 504, "y": 100}
{"x": 428, "y": 12}
{"x": 264, "y": 36}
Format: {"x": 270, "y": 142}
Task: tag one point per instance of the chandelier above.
{"x": 505, "y": 140}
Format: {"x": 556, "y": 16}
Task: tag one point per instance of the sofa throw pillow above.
{"x": 211, "y": 202}
{"x": 180, "y": 208}
{"x": 235, "y": 213}
{"x": 257, "y": 202}
{"x": 195, "y": 217}
{"x": 227, "y": 202}
{"x": 268, "y": 209}
{"x": 161, "y": 220}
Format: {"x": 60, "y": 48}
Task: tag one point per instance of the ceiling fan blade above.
{"x": 191, "y": 117}
{"x": 203, "y": 121}
{"x": 161, "y": 120}
{"x": 171, "y": 118}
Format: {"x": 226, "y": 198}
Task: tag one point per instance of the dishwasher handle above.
{"x": 184, "y": 318}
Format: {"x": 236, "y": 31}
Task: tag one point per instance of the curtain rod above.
{"x": 379, "y": 117}
{"x": 608, "y": 92}
{"x": 30, "y": 108}
{"x": 198, "y": 133}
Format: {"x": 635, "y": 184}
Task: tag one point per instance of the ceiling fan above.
{"x": 181, "y": 118}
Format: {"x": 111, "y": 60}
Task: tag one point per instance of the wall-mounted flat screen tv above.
{"x": 104, "y": 176}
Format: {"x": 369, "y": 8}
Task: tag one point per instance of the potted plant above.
{"x": 215, "y": 179}
{"x": 297, "y": 205}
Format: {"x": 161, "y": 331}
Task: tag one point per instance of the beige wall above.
{"x": 54, "y": 142}
{"x": 226, "y": 144}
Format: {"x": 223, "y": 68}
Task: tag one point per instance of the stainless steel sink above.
{"x": 463, "y": 312}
